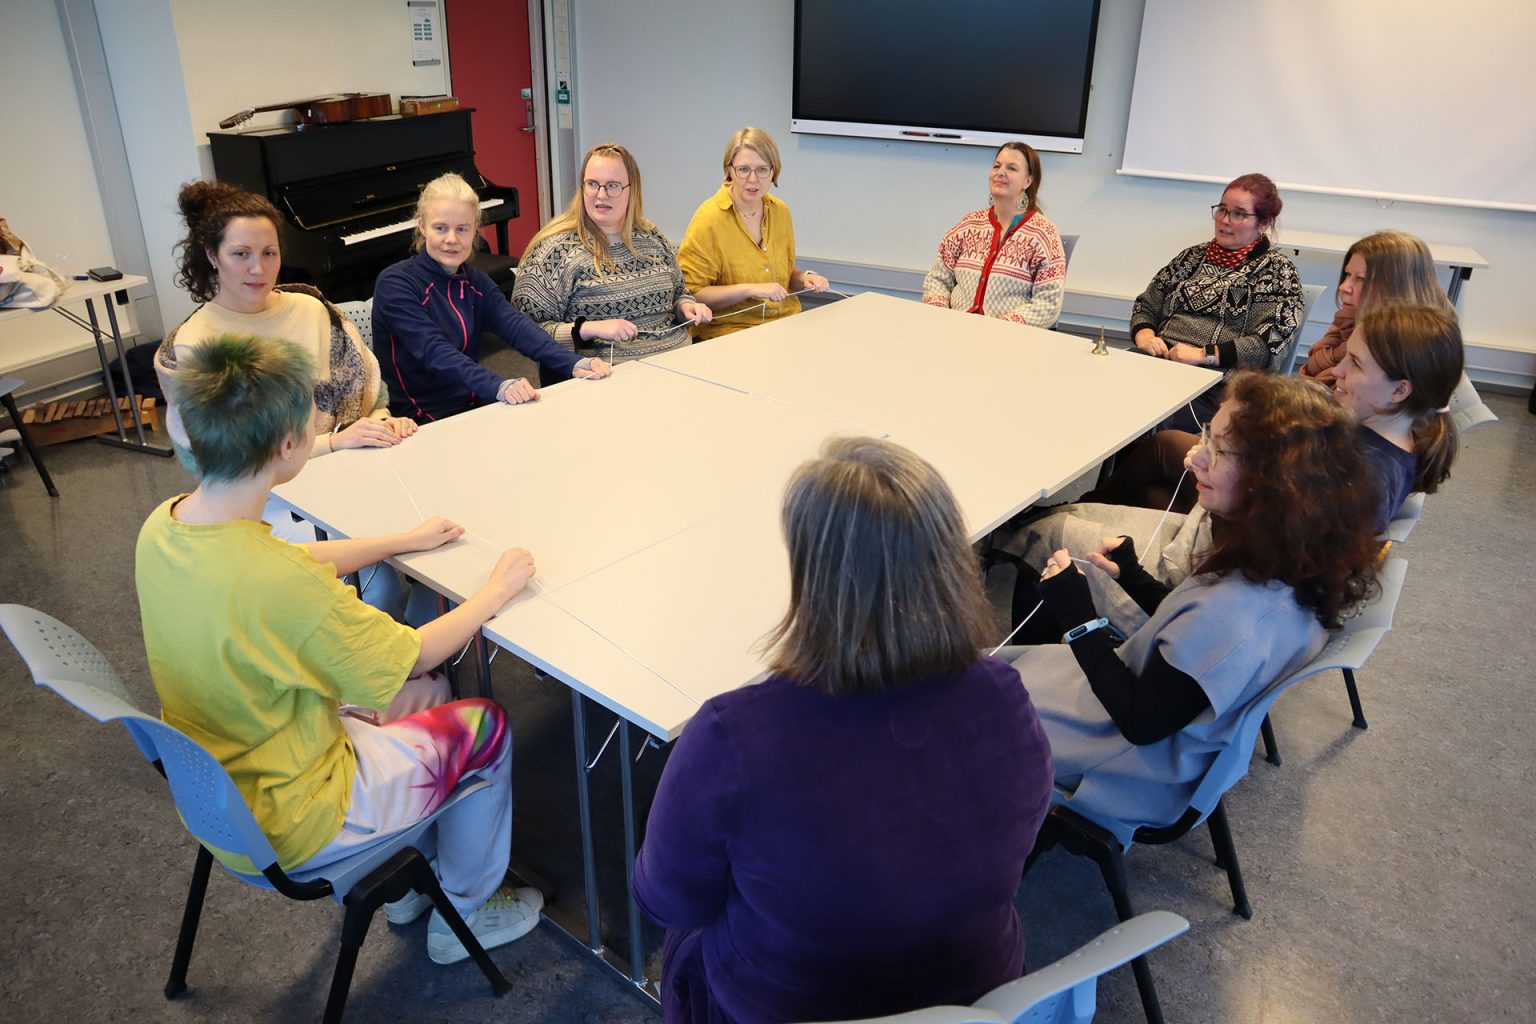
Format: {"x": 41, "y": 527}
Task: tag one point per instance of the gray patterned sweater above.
{"x": 1250, "y": 314}
{"x": 557, "y": 281}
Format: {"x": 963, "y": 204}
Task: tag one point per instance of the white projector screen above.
{"x": 1393, "y": 99}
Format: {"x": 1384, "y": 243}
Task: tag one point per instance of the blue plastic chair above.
{"x": 1407, "y": 517}
{"x": 217, "y": 816}
{"x": 1065, "y": 992}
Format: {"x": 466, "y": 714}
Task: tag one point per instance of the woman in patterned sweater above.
{"x": 1014, "y": 273}
{"x": 601, "y": 276}
{"x": 1232, "y": 302}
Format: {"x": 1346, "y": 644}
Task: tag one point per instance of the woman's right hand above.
{"x": 609, "y": 330}
{"x": 1151, "y": 343}
{"x": 770, "y": 291}
{"x": 512, "y": 572}
{"x": 1100, "y": 559}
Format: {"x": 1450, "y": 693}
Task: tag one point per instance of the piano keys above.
{"x": 347, "y": 192}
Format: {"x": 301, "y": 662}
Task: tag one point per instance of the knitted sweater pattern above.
{"x": 1028, "y": 278}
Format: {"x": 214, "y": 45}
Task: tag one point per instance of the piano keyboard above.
{"x": 404, "y": 225}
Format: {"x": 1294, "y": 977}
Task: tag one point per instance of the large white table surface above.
{"x": 650, "y": 500}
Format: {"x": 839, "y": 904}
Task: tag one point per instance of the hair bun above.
{"x": 196, "y": 196}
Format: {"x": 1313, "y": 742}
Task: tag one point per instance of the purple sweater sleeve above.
{"x": 682, "y": 874}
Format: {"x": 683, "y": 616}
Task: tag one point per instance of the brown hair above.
{"x": 575, "y": 217}
{"x": 752, "y": 138}
{"x": 1266, "y": 197}
{"x": 1306, "y": 506}
{"x": 450, "y": 187}
{"x": 1398, "y": 269}
{"x": 1031, "y": 167}
{"x": 1422, "y": 345}
{"x": 884, "y": 588}
{"x": 208, "y": 207}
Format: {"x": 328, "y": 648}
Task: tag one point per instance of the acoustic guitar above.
{"x": 350, "y": 106}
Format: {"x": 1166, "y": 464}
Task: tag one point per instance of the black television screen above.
{"x": 971, "y": 72}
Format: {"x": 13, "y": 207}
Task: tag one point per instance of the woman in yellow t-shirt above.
{"x": 739, "y": 251}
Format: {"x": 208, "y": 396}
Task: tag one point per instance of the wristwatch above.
{"x": 1078, "y": 632}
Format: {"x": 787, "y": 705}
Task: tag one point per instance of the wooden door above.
{"x": 488, "y": 57}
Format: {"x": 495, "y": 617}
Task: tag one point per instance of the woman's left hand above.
{"x": 432, "y": 533}
{"x": 400, "y": 426}
{"x": 815, "y": 282}
{"x": 696, "y": 312}
{"x": 1182, "y": 353}
{"x": 364, "y": 433}
{"x": 1060, "y": 561}
{"x": 596, "y": 370}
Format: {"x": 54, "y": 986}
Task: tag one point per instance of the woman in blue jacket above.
{"x": 429, "y": 310}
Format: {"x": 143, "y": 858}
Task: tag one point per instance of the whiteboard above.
{"x": 1392, "y": 99}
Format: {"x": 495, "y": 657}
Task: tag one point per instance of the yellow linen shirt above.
{"x": 253, "y": 646}
{"x": 718, "y": 250}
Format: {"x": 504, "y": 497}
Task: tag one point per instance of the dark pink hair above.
{"x": 1266, "y": 198}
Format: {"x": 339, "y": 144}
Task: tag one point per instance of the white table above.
{"x": 650, "y": 500}
{"x": 1461, "y": 259}
{"x": 88, "y": 292}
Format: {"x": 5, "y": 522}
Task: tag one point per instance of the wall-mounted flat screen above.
{"x": 970, "y": 72}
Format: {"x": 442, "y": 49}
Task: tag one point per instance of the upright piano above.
{"x": 347, "y": 192}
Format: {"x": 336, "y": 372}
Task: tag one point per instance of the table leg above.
{"x": 483, "y": 665}
{"x": 106, "y": 372}
{"x": 122, "y": 362}
{"x": 584, "y": 811}
{"x": 1458, "y": 275}
{"x": 26, "y": 441}
{"x": 626, "y": 773}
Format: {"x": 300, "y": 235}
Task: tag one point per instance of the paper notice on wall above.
{"x": 426, "y": 33}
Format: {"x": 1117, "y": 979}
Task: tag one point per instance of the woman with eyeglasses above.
{"x": 1133, "y": 730}
{"x": 429, "y": 311}
{"x": 1232, "y": 302}
{"x": 1005, "y": 260}
{"x": 602, "y": 278}
{"x": 739, "y": 251}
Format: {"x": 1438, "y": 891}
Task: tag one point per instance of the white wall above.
{"x": 48, "y": 191}
{"x": 674, "y": 88}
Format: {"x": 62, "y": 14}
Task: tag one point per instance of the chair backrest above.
{"x": 1311, "y": 295}
{"x": 206, "y": 798}
{"x": 1406, "y": 519}
{"x": 1068, "y": 243}
{"x": 361, "y": 315}
{"x": 1348, "y": 648}
{"x": 1065, "y": 992}
{"x": 1467, "y": 407}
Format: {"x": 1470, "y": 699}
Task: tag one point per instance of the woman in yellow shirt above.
{"x": 739, "y": 252}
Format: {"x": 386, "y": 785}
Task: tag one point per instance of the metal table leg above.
{"x": 26, "y": 442}
{"x": 584, "y": 811}
{"x": 94, "y": 326}
{"x": 626, "y": 773}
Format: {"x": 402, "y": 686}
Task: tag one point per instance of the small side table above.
{"x": 88, "y": 292}
{"x": 7, "y": 386}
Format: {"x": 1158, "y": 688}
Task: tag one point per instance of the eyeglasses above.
{"x": 760, "y": 173}
{"x": 1213, "y": 454}
{"x": 609, "y": 188}
{"x": 1219, "y": 212}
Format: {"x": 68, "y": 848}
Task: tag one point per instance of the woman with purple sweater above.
{"x": 845, "y": 839}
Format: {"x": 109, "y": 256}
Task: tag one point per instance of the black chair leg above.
{"x": 422, "y": 878}
{"x": 177, "y": 983}
{"x": 1354, "y": 698}
{"x": 1112, "y": 866}
{"x": 354, "y": 929}
{"x": 1271, "y": 748}
{"x": 1226, "y": 857}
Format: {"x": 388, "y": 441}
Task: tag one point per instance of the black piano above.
{"x": 347, "y": 192}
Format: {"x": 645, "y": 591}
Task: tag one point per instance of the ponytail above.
{"x": 1435, "y": 441}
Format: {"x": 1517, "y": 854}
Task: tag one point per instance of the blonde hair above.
{"x": 884, "y": 587}
{"x": 751, "y": 138}
{"x": 444, "y": 187}
{"x": 575, "y": 217}
{"x": 1399, "y": 270}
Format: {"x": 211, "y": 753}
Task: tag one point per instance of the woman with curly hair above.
{"x": 1281, "y": 473}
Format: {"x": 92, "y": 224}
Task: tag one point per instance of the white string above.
{"x": 1159, "y": 527}
{"x": 600, "y": 750}
{"x": 1026, "y": 618}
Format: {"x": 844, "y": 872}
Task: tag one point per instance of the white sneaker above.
{"x": 407, "y": 908}
{"x": 508, "y": 915}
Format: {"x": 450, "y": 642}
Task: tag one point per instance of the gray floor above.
{"x": 1389, "y": 869}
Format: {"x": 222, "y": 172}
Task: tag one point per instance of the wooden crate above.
{"x": 57, "y": 422}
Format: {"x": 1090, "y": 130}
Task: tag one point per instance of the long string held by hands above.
{"x": 1026, "y": 618}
